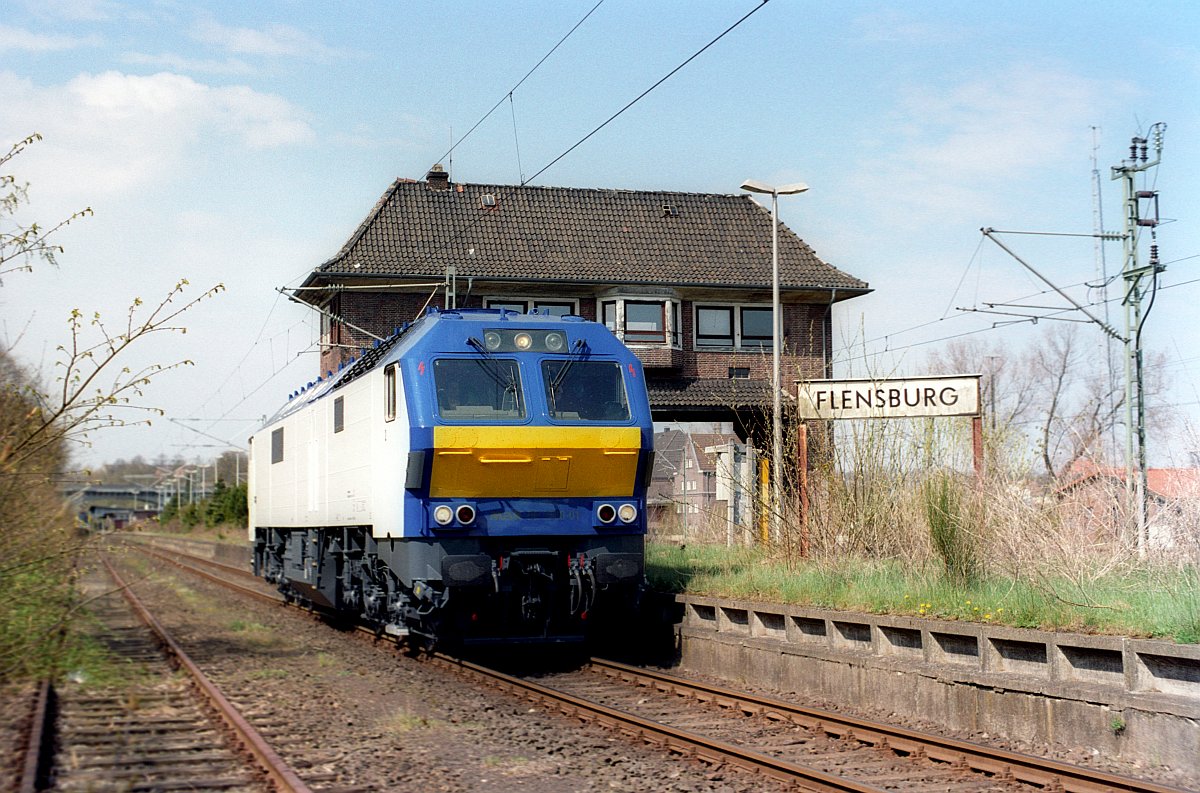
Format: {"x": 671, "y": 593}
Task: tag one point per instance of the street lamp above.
{"x": 776, "y": 320}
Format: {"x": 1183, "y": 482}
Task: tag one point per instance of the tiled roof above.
{"x": 1165, "y": 483}
{"x": 577, "y": 235}
{"x": 700, "y": 392}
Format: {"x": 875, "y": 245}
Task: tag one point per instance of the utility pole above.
{"x": 1139, "y": 280}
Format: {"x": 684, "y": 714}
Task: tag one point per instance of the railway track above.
{"x": 806, "y": 748}
{"x": 161, "y": 731}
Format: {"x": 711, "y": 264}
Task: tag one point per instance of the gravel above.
{"x": 373, "y": 717}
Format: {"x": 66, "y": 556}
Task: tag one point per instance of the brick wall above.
{"x": 806, "y": 329}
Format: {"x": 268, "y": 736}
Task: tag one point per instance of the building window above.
{"x": 277, "y": 446}
{"x": 518, "y": 306}
{"x": 339, "y": 414}
{"x": 556, "y": 308}
{"x": 739, "y": 373}
{"x": 608, "y": 314}
{"x": 756, "y": 327}
{"x": 642, "y": 321}
{"x": 714, "y": 326}
{"x": 389, "y": 393}
{"x": 746, "y": 327}
{"x": 645, "y": 321}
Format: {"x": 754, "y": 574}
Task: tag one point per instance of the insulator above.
{"x": 1133, "y": 149}
{"x": 1143, "y": 149}
{"x": 1154, "y": 254}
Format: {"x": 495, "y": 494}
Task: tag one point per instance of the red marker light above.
{"x": 421, "y": 367}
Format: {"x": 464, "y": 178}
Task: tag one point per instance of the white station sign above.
{"x": 911, "y": 397}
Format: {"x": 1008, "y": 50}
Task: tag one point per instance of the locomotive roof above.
{"x": 381, "y": 352}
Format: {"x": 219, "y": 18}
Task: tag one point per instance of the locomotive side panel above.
{"x": 387, "y": 452}
{"x": 346, "y": 481}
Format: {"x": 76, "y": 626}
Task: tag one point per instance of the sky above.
{"x": 241, "y": 144}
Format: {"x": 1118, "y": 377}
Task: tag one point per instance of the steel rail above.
{"x": 1047, "y": 774}
{"x": 41, "y": 740}
{"x": 1025, "y": 768}
{"x": 280, "y": 774}
{"x": 671, "y": 738}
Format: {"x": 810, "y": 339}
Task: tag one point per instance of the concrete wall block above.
{"x": 901, "y": 642}
{"x": 768, "y": 624}
{"x": 1018, "y": 717}
{"x": 956, "y": 647}
{"x": 1017, "y": 656}
{"x": 1092, "y": 659}
{"x": 701, "y": 615}
{"x": 732, "y": 619}
{"x": 1166, "y": 674}
{"x": 854, "y": 636}
{"x": 808, "y": 630}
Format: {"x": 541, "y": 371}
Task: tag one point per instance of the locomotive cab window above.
{"x": 277, "y": 446}
{"x": 389, "y": 393}
{"x": 585, "y": 390}
{"x": 339, "y": 414}
{"x": 479, "y": 388}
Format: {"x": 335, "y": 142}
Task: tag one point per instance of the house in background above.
{"x": 693, "y": 495}
{"x": 684, "y": 279}
{"x": 1096, "y": 501}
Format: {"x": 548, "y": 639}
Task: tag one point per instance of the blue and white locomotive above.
{"x": 480, "y": 475}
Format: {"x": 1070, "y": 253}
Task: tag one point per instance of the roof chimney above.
{"x": 437, "y": 178}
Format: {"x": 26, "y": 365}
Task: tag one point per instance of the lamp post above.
{"x": 776, "y": 319}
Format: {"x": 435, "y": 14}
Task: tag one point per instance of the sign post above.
{"x": 910, "y": 397}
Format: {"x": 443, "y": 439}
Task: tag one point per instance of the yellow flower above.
{"x": 987, "y": 616}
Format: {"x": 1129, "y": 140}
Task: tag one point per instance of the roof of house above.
{"x": 1165, "y": 483}
{"x": 692, "y": 392}
{"x": 577, "y": 235}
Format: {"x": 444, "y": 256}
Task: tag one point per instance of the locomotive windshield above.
{"x": 585, "y": 390}
{"x": 479, "y": 388}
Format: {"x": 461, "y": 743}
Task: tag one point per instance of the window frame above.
{"x": 670, "y": 335}
{"x": 553, "y": 414}
{"x": 276, "y": 445}
{"x": 523, "y": 409}
{"x": 760, "y": 342}
{"x": 740, "y": 341}
{"x": 389, "y": 392}
{"x": 339, "y": 414}
{"x": 727, "y": 342}
{"x": 531, "y": 303}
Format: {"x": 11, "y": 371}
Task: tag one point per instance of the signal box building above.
{"x": 684, "y": 279}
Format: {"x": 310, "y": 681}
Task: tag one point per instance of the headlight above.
{"x": 555, "y": 342}
{"x": 465, "y": 514}
{"x": 443, "y": 515}
{"x": 627, "y": 513}
{"x": 491, "y": 340}
{"x": 523, "y": 341}
{"x": 607, "y": 513}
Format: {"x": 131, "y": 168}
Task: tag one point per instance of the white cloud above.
{"x": 896, "y": 26}
{"x": 272, "y": 41}
{"x": 76, "y": 10}
{"x": 112, "y": 133}
{"x": 22, "y": 40}
{"x": 178, "y": 63}
{"x": 950, "y": 148}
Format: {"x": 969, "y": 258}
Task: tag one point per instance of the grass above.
{"x": 1150, "y": 602}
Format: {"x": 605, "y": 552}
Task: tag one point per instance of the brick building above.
{"x": 684, "y": 279}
